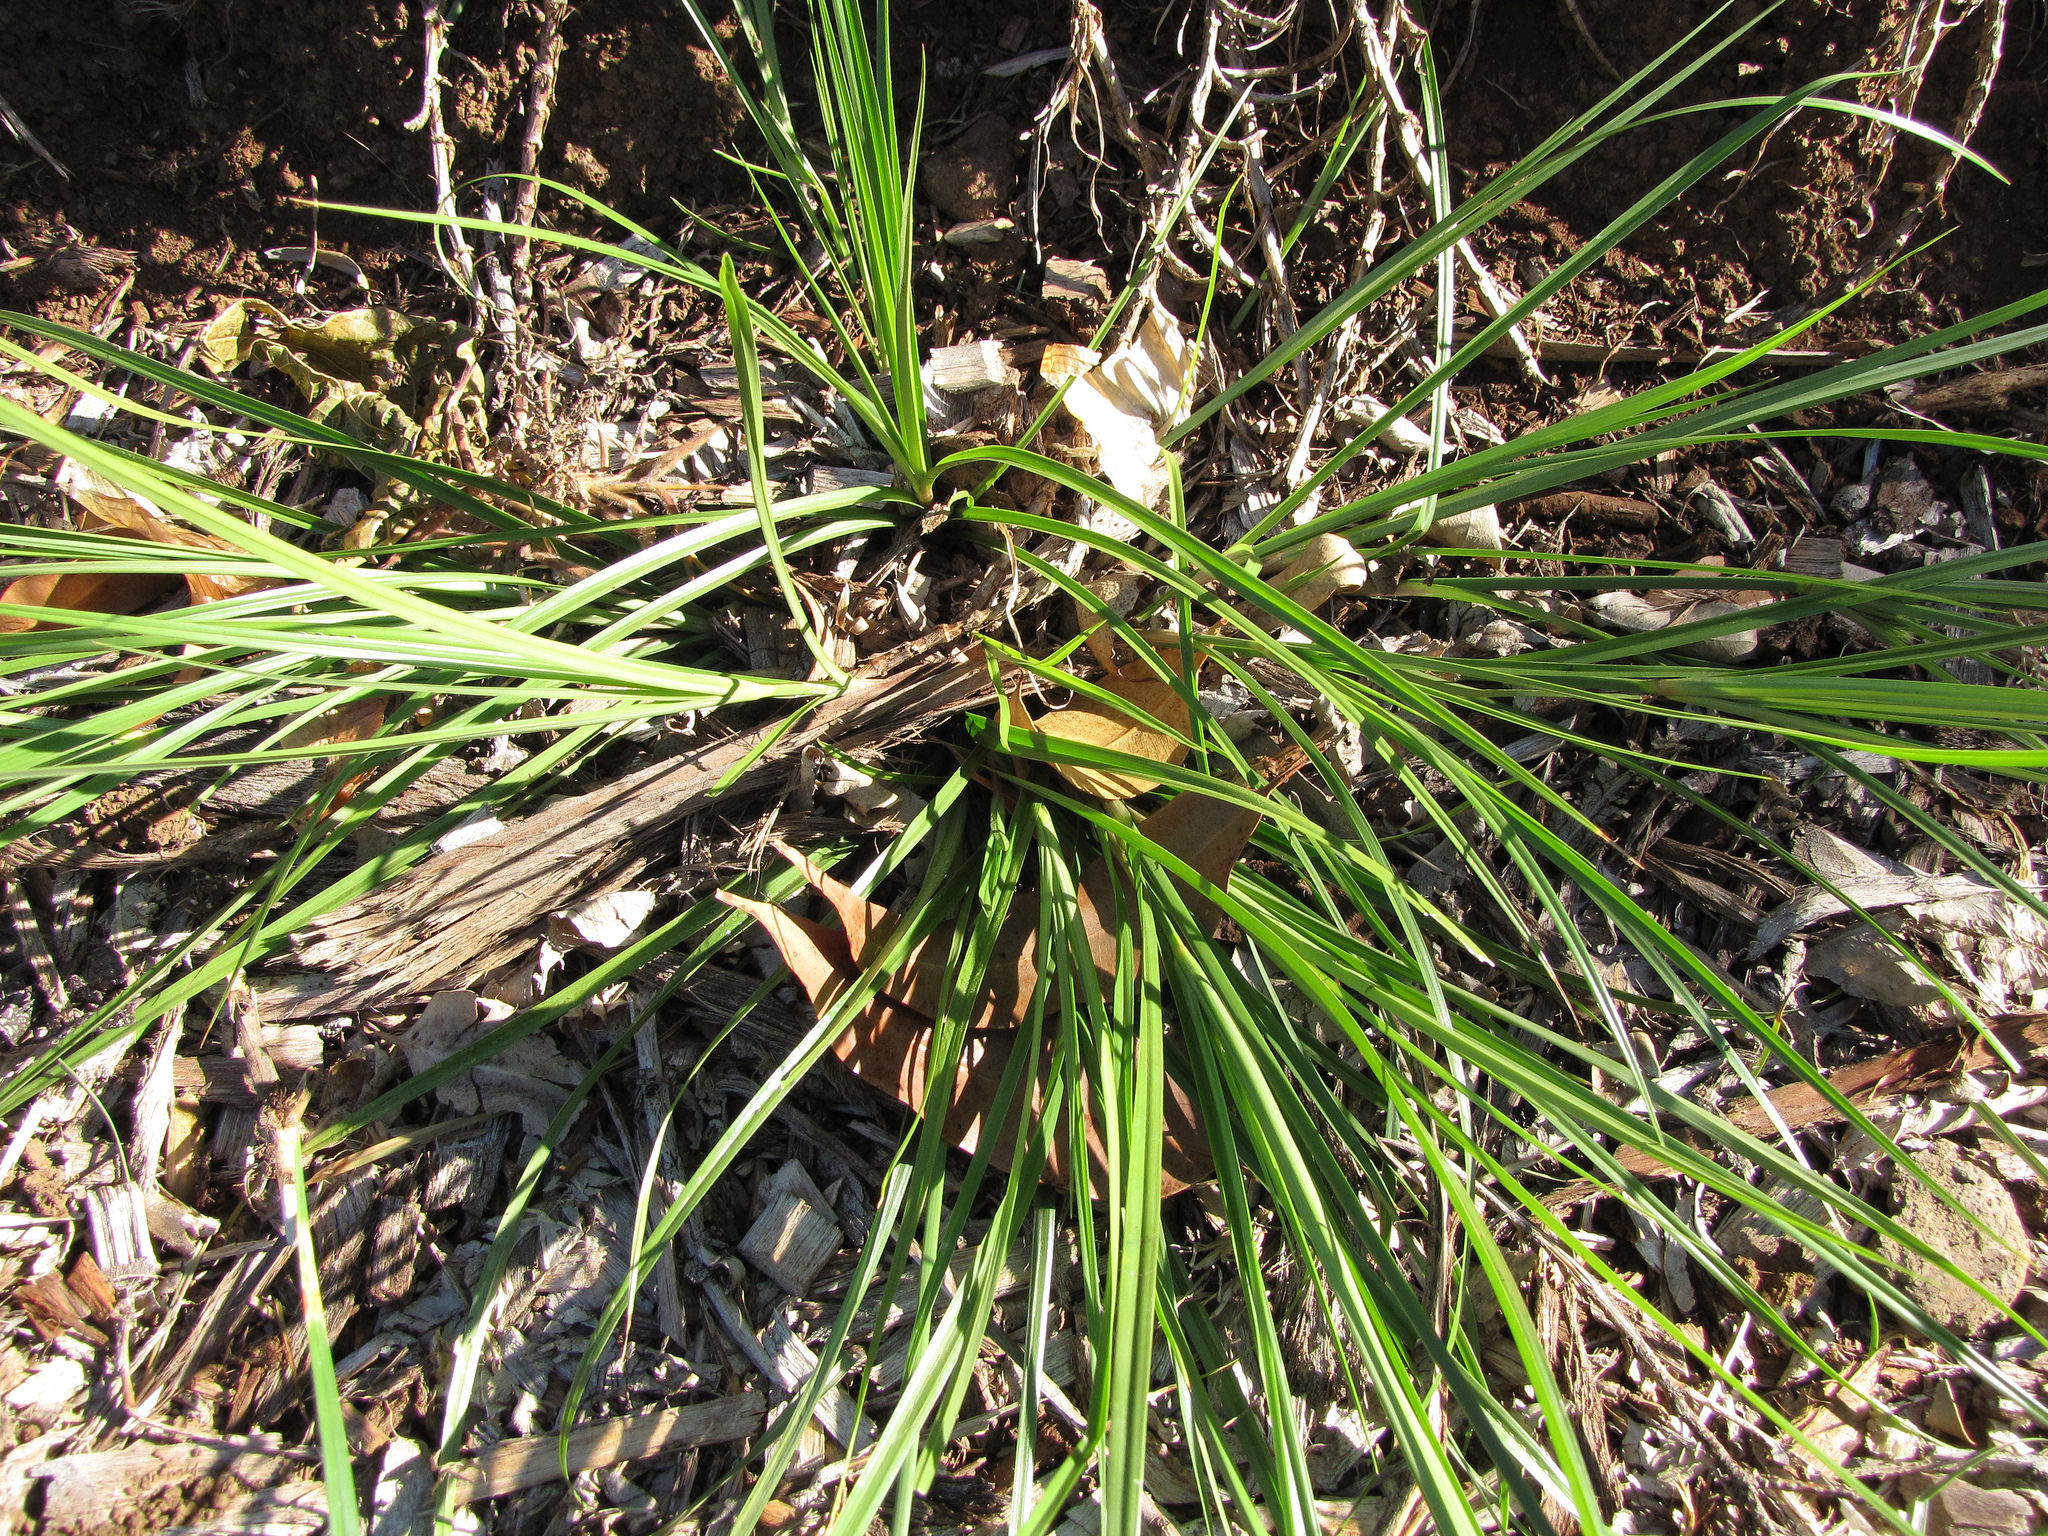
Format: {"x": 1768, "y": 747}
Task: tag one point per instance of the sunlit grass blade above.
{"x": 337, "y": 1466}
{"x": 747, "y": 365}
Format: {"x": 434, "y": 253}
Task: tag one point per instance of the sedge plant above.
{"x": 1374, "y": 1105}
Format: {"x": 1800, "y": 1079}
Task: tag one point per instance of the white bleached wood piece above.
{"x": 970, "y": 366}
{"x": 795, "y": 1232}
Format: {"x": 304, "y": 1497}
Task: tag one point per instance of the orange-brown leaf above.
{"x": 1093, "y": 723}
{"x": 110, "y": 509}
{"x": 815, "y": 955}
{"x": 83, "y": 592}
{"x": 888, "y": 1044}
{"x": 357, "y": 720}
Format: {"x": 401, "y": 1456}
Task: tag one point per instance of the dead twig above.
{"x": 1592, "y": 43}
{"x": 1379, "y": 53}
{"x": 1989, "y": 391}
{"x": 540, "y": 105}
{"x": 437, "y": 18}
{"x": 2024, "y": 1035}
{"x": 28, "y": 140}
{"x": 28, "y": 931}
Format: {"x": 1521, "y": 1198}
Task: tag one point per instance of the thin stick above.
{"x": 438, "y": 19}
{"x": 540, "y": 104}
{"x": 1280, "y": 303}
{"x": 1586, "y": 36}
{"x": 49, "y": 979}
{"x": 1347, "y": 333}
{"x": 494, "y": 289}
{"x": 1379, "y": 54}
{"x": 532, "y": 1460}
{"x": 29, "y": 141}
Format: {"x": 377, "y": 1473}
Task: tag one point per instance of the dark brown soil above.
{"x": 1792, "y": 222}
{"x": 189, "y": 136}
{"x": 190, "y": 130}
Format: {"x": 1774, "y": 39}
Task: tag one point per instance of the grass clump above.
{"x": 1374, "y": 1106}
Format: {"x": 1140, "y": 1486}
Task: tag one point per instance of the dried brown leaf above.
{"x": 887, "y": 1045}
{"x": 357, "y": 720}
{"x": 108, "y": 509}
{"x": 1090, "y": 722}
{"x": 82, "y": 592}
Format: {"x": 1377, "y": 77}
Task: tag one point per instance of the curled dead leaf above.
{"x": 1329, "y": 565}
{"x": 82, "y": 592}
{"x": 387, "y": 379}
{"x": 1128, "y": 399}
{"x": 530, "y": 1078}
{"x": 357, "y": 720}
{"x": 888, "y": 1044}
{"x": 1635, "y": 613}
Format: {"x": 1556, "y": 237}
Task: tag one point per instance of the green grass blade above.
{"x": 337, "y": 1467}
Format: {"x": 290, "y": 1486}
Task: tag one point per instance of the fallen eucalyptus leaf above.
{"x": 82, "y": 592}
{"x": 529, "y": 1078}
{"x": 978, "y": 232}
{"x": 1637, "y": 613}
{"x": 1400, "y": 434}
{"x": 1080, "y": 282}
{"x": 1864, "y": 964}
{"x": 357, "y": 720}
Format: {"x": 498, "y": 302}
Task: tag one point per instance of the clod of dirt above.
{"x": 1998, "y": 1263}
{"x": 1771, "y": 1259}
{"x": 975, "y": 176}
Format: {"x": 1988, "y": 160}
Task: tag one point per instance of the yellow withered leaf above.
{"x": 1093, "y": 723}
